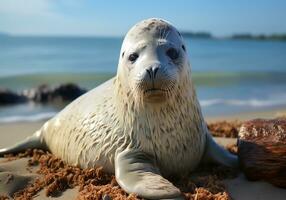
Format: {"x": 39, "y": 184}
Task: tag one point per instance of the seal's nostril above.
{"x": 149, "y": 72}
{"x": 152, "y": 71}
{"x": 155, "y": 70}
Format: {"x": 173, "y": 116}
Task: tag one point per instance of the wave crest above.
{"x": 240, "y": 102}
{"x": 25, "y": 118}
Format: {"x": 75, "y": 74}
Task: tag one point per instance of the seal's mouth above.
{"x": 155, "y": 95}
{"x": 154, "y": 90}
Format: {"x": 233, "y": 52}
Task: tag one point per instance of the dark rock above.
{"x": 45, "y": 94}
{"x": 67, "y": 92}
{"x": 8, "y": 97}
{"x": 262, "y": 150}
{"x": 39, "y": 94}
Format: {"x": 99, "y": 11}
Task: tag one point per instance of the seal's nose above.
{"x": 152, "y": 71}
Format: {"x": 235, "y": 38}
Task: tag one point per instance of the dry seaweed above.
{"x": 95, "y": 184}
{"x": 227, "y": 129}
{"x": 4, "y": 197}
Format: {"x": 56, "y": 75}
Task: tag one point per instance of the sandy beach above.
{"x": 15, "y": 175}
{"x": 267, "y": 114}
{"x": 142, "y": 88}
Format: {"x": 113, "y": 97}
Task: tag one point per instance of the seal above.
{"x": 145, "y": 124}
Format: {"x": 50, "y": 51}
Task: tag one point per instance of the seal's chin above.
{"x": 154, "y": 95}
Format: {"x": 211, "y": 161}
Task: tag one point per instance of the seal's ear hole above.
{"x": 183, "y": 47}
{"x": 123, "y": 54}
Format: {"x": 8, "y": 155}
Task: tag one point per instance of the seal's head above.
{"x": 153, "y": 61}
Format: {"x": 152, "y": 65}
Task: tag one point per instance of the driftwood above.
{"x": 262, "y": 150}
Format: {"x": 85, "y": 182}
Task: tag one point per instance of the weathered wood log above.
{"x": 262, "y": 150}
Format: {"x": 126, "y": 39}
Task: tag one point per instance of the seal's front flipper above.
{"x": 216, "y": 154}
{"x": 34, "y": 141}
{"x": 136, "y": 172}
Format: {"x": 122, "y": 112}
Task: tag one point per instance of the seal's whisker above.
{"x": 160, "y": 33}
{"x": 163, "y": 33}
{"x": 167, "y": 34}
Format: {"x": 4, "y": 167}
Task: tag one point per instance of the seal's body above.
{"x": 144, "y": 124}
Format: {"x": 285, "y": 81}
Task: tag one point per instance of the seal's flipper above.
{"x": 216, "y": 154}
{"x": 34, "y": 141}
{"x": 136, "y": 172}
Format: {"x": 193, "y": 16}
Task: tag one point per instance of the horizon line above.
{"x": 3, "y": 33}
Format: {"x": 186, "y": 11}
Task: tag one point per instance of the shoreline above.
{"x": 20, "y": 130}
{"x": 267, "y": 114}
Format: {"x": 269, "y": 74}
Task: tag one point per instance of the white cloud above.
{"x": 24, "y": 7}
{"x": 41, "y": 17}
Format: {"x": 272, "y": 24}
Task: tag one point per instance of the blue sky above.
{"x": 115, "y": 17}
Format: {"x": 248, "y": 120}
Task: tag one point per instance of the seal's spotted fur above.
{"x": 143, "y": 124}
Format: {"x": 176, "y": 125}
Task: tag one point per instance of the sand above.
{"x": 17, "y": 174}
{"x": 267, "y": 114}
{"x": 11, "y": 132}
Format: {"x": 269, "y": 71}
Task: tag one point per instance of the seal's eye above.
{"x": 133, "y": 57}
{"x": 172, "y": 53}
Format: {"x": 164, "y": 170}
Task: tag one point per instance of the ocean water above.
{"x": 231, "y": 76}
